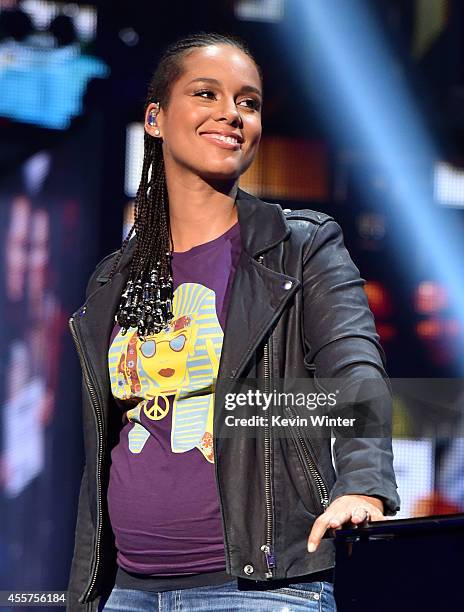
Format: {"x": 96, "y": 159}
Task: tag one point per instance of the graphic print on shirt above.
{"x": 179, "y": 364}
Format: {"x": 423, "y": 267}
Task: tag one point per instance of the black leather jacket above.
{"x": 297, "y": 309}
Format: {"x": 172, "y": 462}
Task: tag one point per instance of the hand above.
{"x": 355, "y": 509}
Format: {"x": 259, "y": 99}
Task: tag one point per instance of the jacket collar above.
{"x": 253, "y": 216}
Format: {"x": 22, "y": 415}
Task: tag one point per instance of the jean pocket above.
{"x": 306, "y": 590}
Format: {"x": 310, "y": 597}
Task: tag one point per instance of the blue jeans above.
{"x": 309, "y": 596}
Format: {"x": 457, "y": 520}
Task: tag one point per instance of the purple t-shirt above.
{"x": 162, "y": 496}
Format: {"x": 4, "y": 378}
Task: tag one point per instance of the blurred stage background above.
{"x": 363, "y": 119}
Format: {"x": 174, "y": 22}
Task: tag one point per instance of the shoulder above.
{"x": 306, "y": 225}
{"x": 313, "y": 231}
{"x": 306, "y": 215}
{"x": 101, "y": 272}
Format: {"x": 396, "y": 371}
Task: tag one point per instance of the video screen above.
{"x": 46, "y": 61}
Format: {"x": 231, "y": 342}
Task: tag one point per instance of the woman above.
{"x": 217, "y": 284}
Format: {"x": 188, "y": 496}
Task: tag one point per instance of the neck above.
{"x": 200, "y": 211}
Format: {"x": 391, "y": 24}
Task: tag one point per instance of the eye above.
{"x": 177, "y": 344}
{"x": 148, "y": 349}
{"x": 205, "y": 93}
{"x": 252, "y": 103}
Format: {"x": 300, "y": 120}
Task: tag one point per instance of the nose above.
{"x": 229, "y": 113}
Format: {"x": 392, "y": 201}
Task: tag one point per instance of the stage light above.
{"x": 430, "y": 297}
{"x": 260, "y": 10}
{"x": 289, "y": 169}
{"x": 386, "y": 331}
{"x": 134, "y": 158}
{"x": 436, "y": 328}
{"x": 449, "y": 185}
{"x": 430, "y": 329}
{"x": 365, "y": 100}
{"x": 379, "y": 300}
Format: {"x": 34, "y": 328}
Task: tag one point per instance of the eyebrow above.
{"x": 245, "y": 88}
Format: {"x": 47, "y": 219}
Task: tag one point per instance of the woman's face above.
{"x": 212, "y": 124}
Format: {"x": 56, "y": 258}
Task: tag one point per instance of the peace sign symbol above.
{"x": 157, "y": 412}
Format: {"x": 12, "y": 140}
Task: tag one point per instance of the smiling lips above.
{"x": 224, "y": 141}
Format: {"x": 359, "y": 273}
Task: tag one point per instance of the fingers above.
{"x": 322, "y": 523}
{"x": 335, "y": 519}
{"x": 360, "y": 515}
{"x": 378, "y": 516}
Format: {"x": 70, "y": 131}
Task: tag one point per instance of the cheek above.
{"x": 254, "y": 129}
{"x": 254, "y": 139}
{"x": 182, "y": 123}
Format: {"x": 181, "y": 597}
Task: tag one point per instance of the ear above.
{"x": 152, "y": 120}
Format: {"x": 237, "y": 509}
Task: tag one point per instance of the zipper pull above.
{"x": 270, "y": 560}
{"x": 325, "y": 502}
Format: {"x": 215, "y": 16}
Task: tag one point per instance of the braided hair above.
{"x": 150, "y": 267}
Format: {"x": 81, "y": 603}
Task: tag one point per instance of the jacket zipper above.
{"x": 309, "y": 465}
{"x": 268, "y": 548}
{"x": 309, "y": 453}
{"x": 97, "y": 409}
{"x": 321, "y": 487}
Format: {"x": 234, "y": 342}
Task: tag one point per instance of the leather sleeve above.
{"x": 341, "y": 341}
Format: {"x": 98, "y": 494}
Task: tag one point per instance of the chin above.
{"x": 222, "y": 174}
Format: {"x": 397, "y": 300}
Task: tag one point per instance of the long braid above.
{"x": 150, "y": 271}
{"x": 146, "y": 303}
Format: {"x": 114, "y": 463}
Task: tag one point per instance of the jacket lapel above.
{"x": 258, "y": 294}
{"x": 257, "y": 298}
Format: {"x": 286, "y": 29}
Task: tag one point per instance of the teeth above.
{"x": 228, "y": 139}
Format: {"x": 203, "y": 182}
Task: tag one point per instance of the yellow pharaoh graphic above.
{"x": 180, "y": 363}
